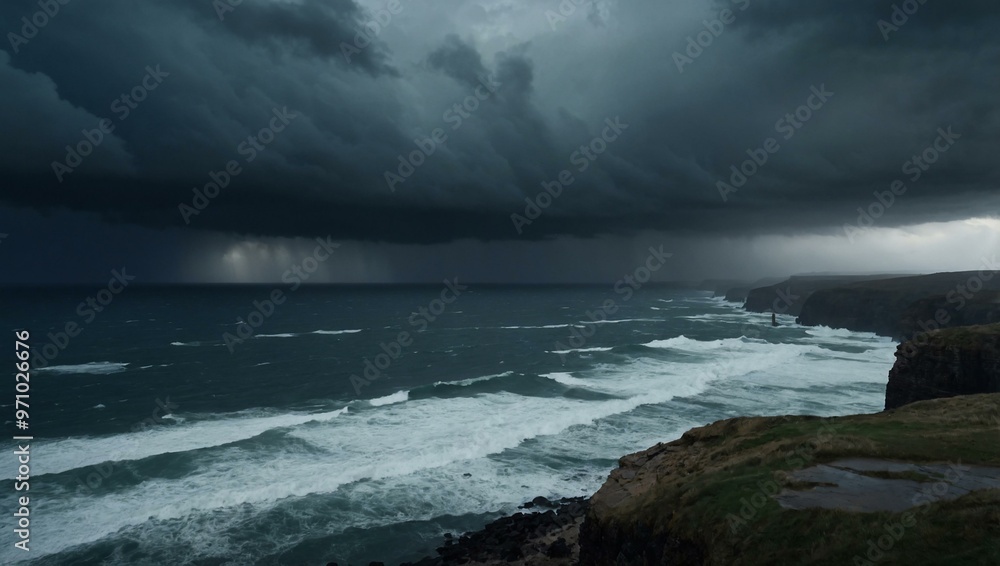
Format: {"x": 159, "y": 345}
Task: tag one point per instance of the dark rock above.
{"x": 904, "y": 307}
{"x": 541, "y": 502}
{"x": 511, "y": 552}
{"x": 558, "y": 549}
{"x": 789, "y": 296}
{"x": 737, "y": 295}
{"x": 945, "y": 363}
{"x": 940, "y": 310}
{"x": 504, "y": 538}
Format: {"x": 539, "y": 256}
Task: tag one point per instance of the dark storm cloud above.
{"x": 314, "y": 28}
{"x": 325, "y": 172}
{"x": 459, "y": 60}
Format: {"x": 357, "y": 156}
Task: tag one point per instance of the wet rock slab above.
{"x": 852, "y": 485}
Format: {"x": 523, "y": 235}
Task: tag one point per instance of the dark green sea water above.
{"x": 271, "y": 456}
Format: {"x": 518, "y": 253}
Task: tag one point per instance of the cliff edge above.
{"x": 918, "y": 485}
{"x": 904, "y": 307}
{"x": 945, "y": 363}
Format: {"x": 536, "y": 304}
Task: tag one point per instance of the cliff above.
{"x": 739, "y": 293}
{"x": 904, "y": 306}
{"x": 916, "y": 485}
{"x": 793, "y": 490}
{"x": 945, "y": 363}
{"x": 789, "y": 296}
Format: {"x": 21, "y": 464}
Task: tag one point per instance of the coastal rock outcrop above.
{"x": 902, "y": 307}
{"x": 720, "y": 494}
{"x": 945, "y": 363}
{"x": 789, "y": 296}
{"x": 772, "y": 490}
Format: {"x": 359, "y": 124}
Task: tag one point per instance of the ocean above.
{"x": 158, "y": 439}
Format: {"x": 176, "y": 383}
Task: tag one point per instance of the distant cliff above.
{"x": 905, "y": 306}
{"x": 737, "y": 295}
{"x": 945, "y": 363}
{"x": 789, "y": 296}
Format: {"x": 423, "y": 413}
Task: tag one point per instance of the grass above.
{"x": 714, "y": 472}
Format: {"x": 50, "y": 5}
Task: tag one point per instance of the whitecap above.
{"x": 545, "y": 326}
{"x": 397, "y": 397}
{"x": 91, "y": 368}
{"x": 471, "y": 380}
{"x": 596, "y": 349}
{"x": 334, "y": 332}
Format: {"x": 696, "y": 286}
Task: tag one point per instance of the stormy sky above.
{"x": 201, "y": 140}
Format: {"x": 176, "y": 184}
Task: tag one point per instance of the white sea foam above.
{"x": 93, "y": 368}
{"x": 319, "y": 332}
{"x": 397, "y": 397}
{"x": 619, "y": 321}
{"x": 544, "y": 326}
{"x": 334, "y": 332}
{"x": 80, "y": 452}
{"x": 566, "y": 379}
{"x": 471, "y": 380}
{"x": 414, "y": 440}
{"x": 595, "y": 349}
{"x": 825, "y": 333}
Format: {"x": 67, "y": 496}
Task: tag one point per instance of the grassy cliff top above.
{"x": 966, "y": 336}
{"x": 715, "y": 487}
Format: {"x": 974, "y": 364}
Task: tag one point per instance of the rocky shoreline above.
{"x": 548, "y": 537}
